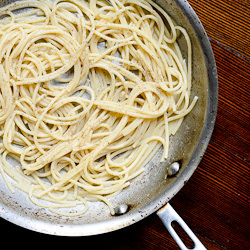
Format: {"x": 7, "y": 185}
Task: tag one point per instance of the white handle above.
{"x": 168, "y": 215}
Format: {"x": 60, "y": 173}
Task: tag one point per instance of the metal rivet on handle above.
{"x": 174, "y": 168}
{"x": 121, "y": 209}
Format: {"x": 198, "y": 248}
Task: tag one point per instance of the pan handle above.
{"x": 168, "y": 215}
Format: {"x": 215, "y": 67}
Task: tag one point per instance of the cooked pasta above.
{"x": 89, "y": 92}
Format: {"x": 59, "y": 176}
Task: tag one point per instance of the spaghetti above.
{"x": 89, "y": 91}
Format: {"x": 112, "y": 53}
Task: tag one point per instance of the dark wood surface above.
{"x": 215, "y": 202}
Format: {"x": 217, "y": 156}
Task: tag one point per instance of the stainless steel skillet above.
{"x": 151, "y": 190}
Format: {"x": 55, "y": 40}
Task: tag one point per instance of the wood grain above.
{"x": 215, "y": 202}
{"x": 226, "y": 22}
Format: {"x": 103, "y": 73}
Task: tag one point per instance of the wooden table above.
{"x": 215, "y": 202}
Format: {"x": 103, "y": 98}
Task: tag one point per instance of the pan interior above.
{"x": 151, "y": 189}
